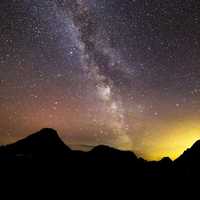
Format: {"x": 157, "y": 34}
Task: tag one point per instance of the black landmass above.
{"x": 46, "y": 148}
{"x": 43, "y": 164}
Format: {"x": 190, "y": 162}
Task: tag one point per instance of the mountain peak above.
{"x": 46, "y": 141}
{"x": 49, "y": 130}
{"x": 103, "y": 148}
{"x": 190, "y": 155}
{"x": 45, "y": 133}
{"x": 196, "y": 146}
{"x": 45, "y": 136}
{"x": 104, "y": 151}
{"x": 166, "y": 161}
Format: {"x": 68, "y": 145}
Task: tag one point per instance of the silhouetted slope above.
{"x": 188, "y": 164}
{"x": 45, "y": 149}
{"x": 45, "y": 143}
{"x": 115, "y": 162}
{"x": 191, "y": 154}
{"x": 106, "y": 153}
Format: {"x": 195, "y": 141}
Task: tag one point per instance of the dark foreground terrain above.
{"x": 44, "y": 158}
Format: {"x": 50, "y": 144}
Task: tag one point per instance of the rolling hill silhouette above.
{"x": 45, "y": 149}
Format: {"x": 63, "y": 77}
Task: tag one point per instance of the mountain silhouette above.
{"x": 188, "y": 164}
{"x": 45, "y": 143}
{"x": 45, "y": 150}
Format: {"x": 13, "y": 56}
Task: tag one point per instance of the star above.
{"x": 122, "y": 73}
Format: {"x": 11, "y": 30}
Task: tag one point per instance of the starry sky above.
{"x": 121, "y": 73}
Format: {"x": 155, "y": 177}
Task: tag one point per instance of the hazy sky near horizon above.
{"x": 124, "y": 73}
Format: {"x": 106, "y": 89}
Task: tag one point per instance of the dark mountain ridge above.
{"x": 46, "y": 147}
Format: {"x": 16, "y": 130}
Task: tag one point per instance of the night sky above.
{"x": 124, "y": 73}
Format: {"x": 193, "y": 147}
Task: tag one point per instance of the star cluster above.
{"x": 122, "y": 73}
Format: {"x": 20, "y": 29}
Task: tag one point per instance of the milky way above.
{"x": 122, "y": 73}
{"x": 96, "y": 60}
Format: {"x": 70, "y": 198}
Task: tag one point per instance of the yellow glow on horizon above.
{"x": 175, "y": 141}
